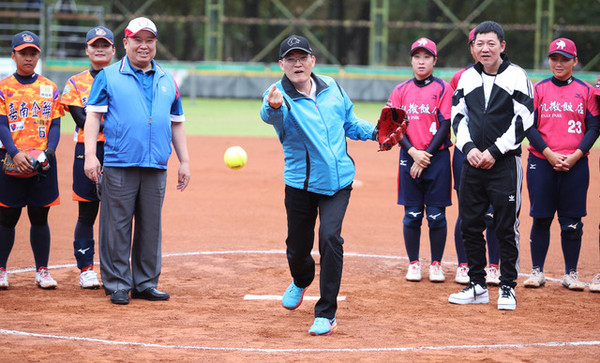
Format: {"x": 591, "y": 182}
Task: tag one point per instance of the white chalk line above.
{"x": 267, "y": 252}
{"x": 288, "y": 350}
{"x": 309, "y": 350}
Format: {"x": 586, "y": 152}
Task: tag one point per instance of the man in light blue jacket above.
{"x": 312, "y": 116}
{"x": 142, "y": 113}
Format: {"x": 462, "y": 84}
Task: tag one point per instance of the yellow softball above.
{"x": 235, "y": 157}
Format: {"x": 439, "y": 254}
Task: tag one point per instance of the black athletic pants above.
{"x": 500, "y": 186}
{"x": 302, "y": 209}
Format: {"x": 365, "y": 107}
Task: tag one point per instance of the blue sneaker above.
{"x": 292, "y": 298}
{"x": 323, "y": 326}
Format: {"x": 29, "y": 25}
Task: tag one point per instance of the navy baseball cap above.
{"x": 100, "y": 32}
{"x": 294, "y": 42}
{"x": 24, "y": 40}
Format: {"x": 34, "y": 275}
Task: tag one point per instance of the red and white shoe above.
{"x": 44, "y": 280}
{"x": 89, "y": 280}
{"x": 462, "y": 275}
{"x": 595, "y": 284}
{"x": 436, "y": 273}
{"x": 492, "y": 275}
{"x": 414, "y": 271}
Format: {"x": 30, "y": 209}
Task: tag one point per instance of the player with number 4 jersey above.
{"x": 566, "y": 127}
{"x": 424, "y": 176}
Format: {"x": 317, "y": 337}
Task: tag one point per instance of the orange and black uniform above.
{"x": 74, "y": 99}
{"x": 30, "y": 114}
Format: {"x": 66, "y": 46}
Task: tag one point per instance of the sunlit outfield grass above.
{"x": 235, "y": 117}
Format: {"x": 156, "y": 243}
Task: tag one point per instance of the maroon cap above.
{"x": 471, "y": 36}
{"x": 563, "y": 46}
{"x": 426, "y": 44}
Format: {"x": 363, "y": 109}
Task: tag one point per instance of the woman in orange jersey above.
{"x": 30, "y": 114}
{"x": 100, "y": 49}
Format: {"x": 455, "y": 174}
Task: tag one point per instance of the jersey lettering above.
{"x": 35, "y": 109}
{"x": 13, "y": 115}
{"x": 23, "y": 110}
{"x": 30, "y": 109}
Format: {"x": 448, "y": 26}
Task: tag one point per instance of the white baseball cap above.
{"x": 138, "y": 24}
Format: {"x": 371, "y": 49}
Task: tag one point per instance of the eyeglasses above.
{"x": 293, "y": 60}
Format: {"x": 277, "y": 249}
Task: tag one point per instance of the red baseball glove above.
{"x": 391, "y": 127}
{"x": 39, "y": 162}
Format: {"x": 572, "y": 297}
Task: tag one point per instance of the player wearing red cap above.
{"x": 566, "y": 127}
{"x": 29, "y": 119}
{"x": 424, "y": 180}
{"x": 462, "y": 272}
{"x": 595, "y": 284}
{"x": 100, "y": 49}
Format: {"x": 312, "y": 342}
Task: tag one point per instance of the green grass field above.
{"x": 234, "y": 117}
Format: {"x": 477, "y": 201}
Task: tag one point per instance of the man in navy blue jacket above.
{"x": 142, "y": 113}
{"x": 312, "y": 116}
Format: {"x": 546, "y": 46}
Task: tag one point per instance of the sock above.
{"x": 437, "y": 238}
{"x": 40, "y": 244}
{"x": 412, "y": 238}
{"x": 83, "y": 231}
{"x": 7, "y": 240}
{"x": 571, "y": 249}
{"x": 492, "y": 246}
{"x": 539, "y": 241}
{"x": 458, "y": 243}
{"x": 84, "y": 253}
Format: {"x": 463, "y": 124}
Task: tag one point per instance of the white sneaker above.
{"x": 436, "y": 273}
{"x": 536, "y": 279}
{"x": 414, "y": 271}
{"x": 44, "y": 280}
{"x": 89, "y": 280}
{"x": 506, "y": 298}
{"x": 595, "y": 284}
{"x": 571, "y": 281}
{"x": 492, "y": 275}
{"x": 472, "y": 294}
{"x": 462, "y": 275}
{"x": 3, "y": 279}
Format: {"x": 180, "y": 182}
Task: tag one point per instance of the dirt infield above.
{"x": 224, "y": 239}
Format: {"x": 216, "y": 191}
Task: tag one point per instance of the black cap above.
{"x": 294, "y": 42}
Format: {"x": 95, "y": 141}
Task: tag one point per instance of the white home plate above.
{"x": 278, "y": 297}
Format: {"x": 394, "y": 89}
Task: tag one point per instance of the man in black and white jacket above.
{"x": 492, "y": 110}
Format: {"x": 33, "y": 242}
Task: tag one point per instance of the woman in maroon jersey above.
{"x": 565, "y": 128}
